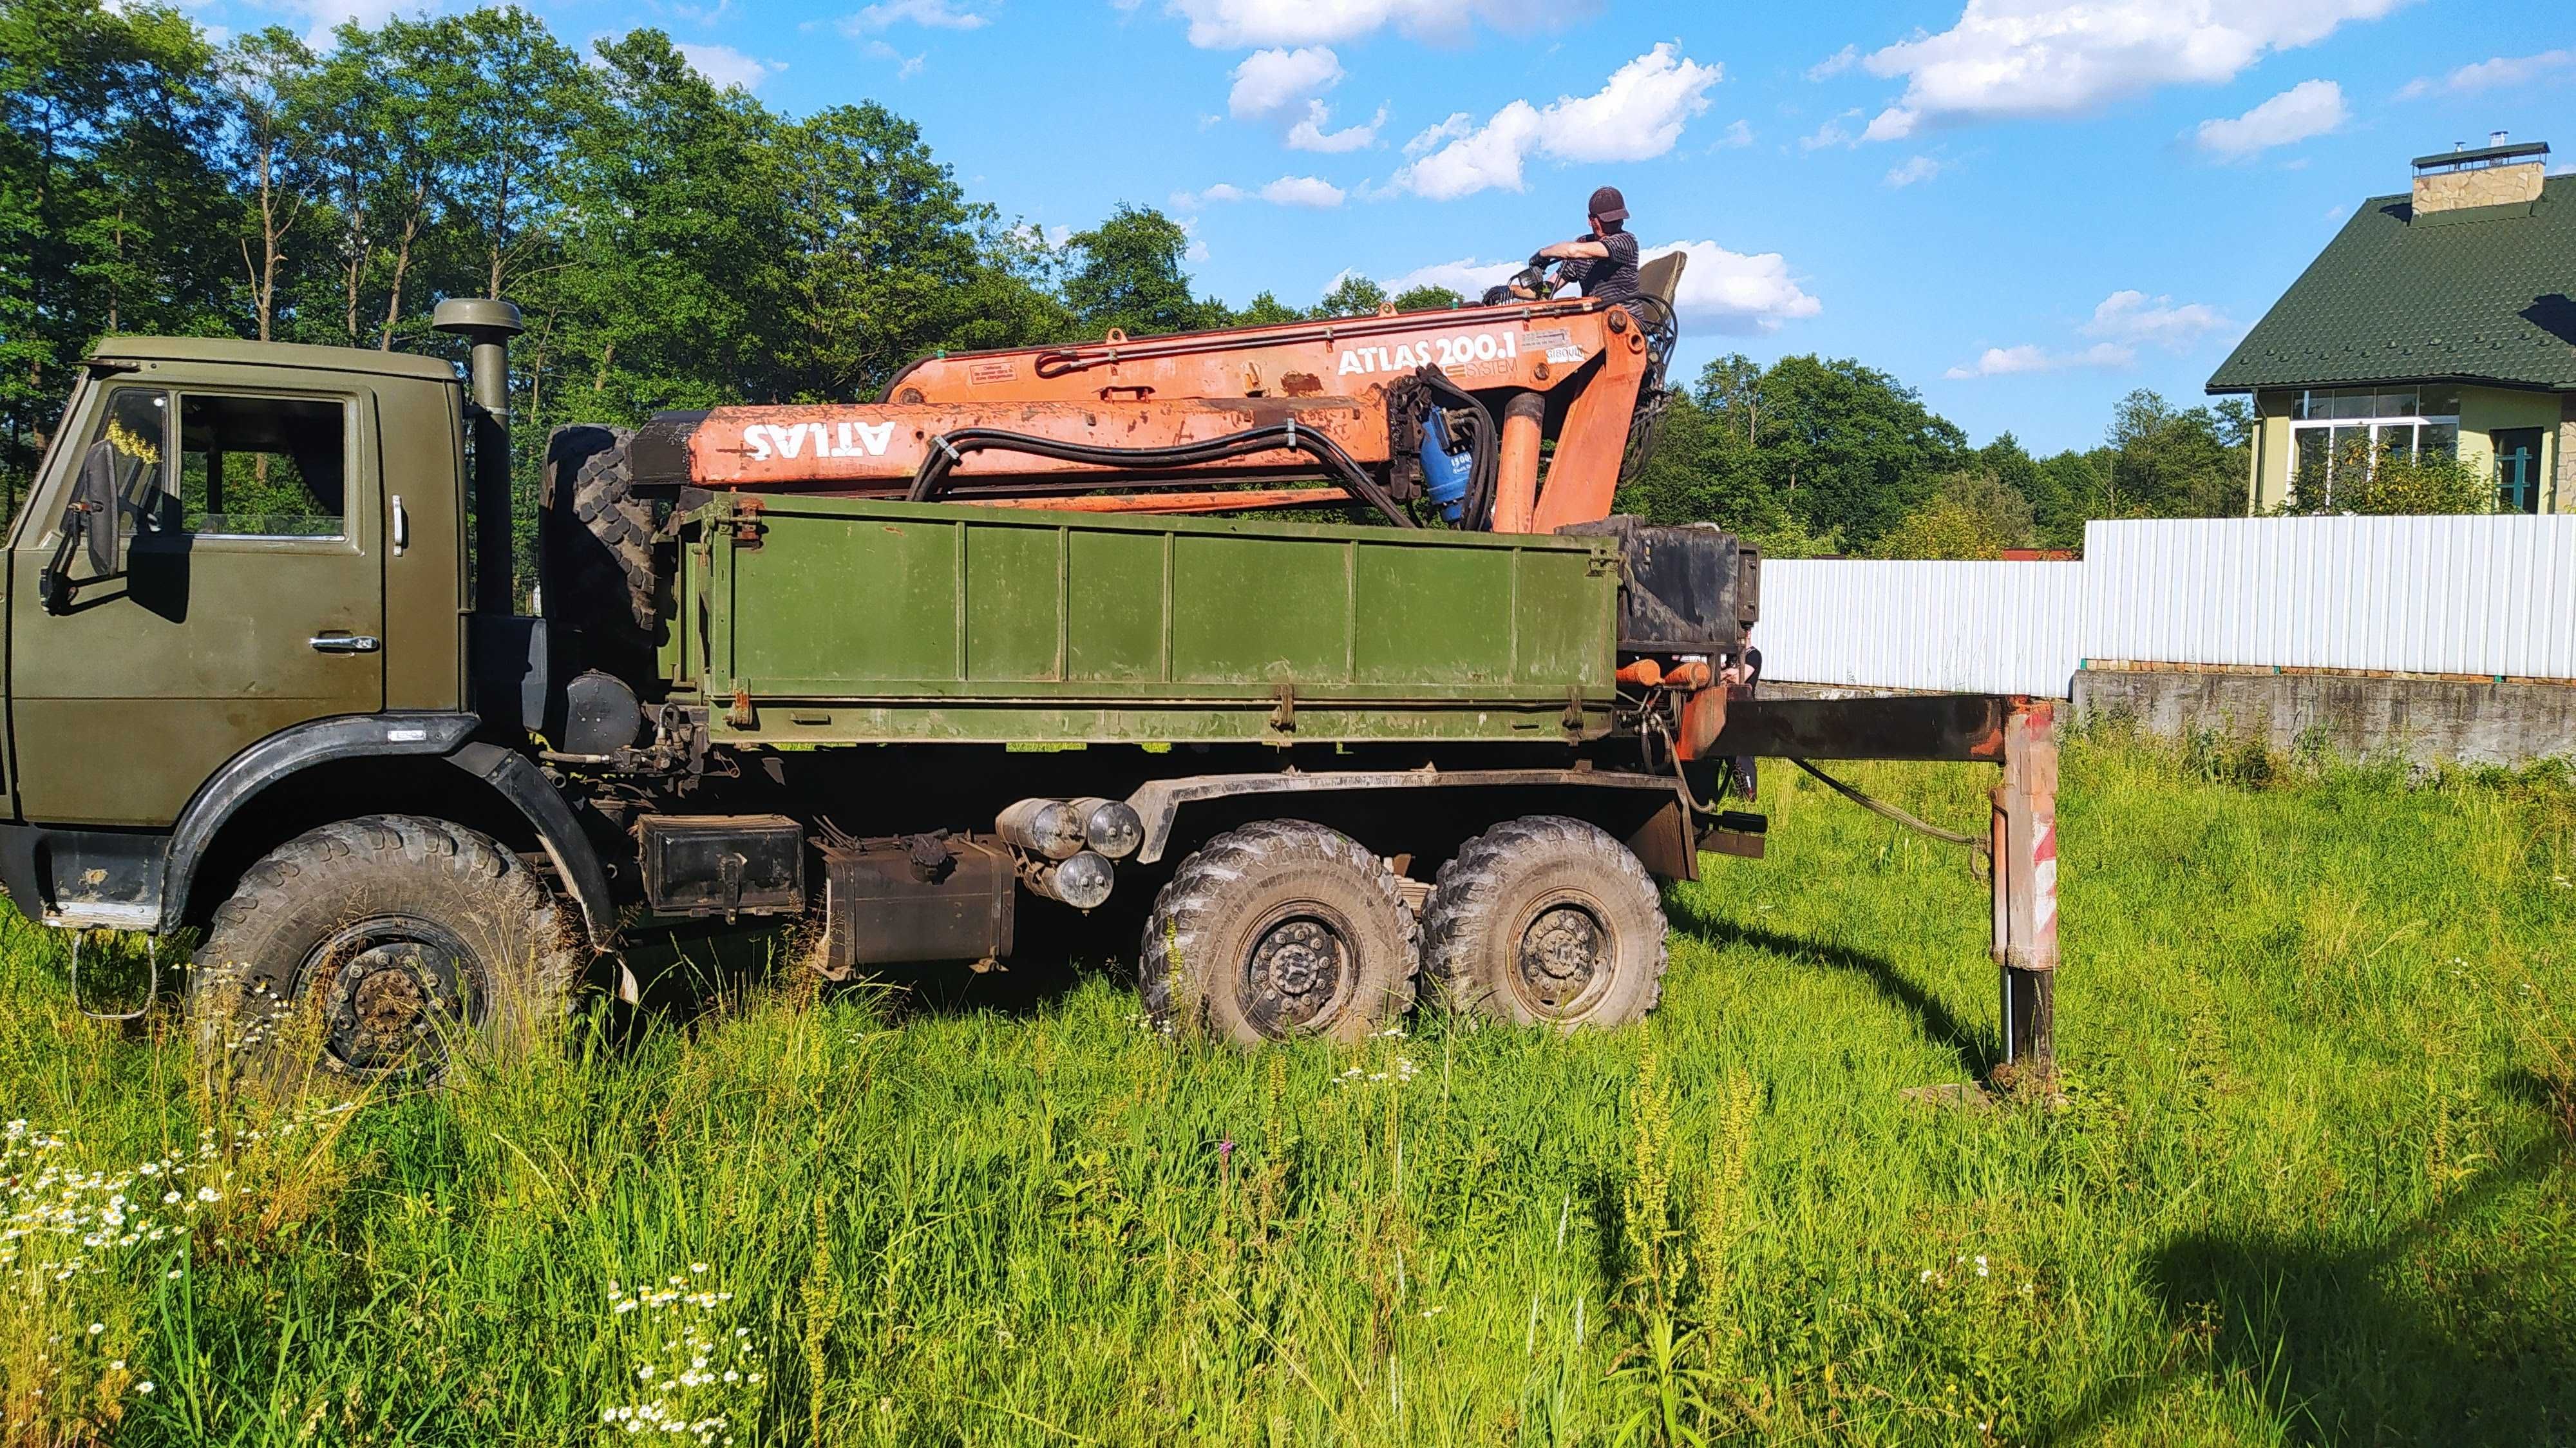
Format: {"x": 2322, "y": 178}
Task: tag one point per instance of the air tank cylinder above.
{"x": 1059, "y": 829}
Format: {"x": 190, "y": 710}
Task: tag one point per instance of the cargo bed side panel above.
{"x": 851, "y": 620}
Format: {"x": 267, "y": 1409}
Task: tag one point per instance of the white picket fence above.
{"x": 2492, "y": 596}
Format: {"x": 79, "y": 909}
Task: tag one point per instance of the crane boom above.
{"x": 1192, "y": 421}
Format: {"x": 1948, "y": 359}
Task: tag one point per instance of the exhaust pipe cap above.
{"x": 468, "y": 317}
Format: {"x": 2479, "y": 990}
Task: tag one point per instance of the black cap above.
{"x": 1608, "y": 204}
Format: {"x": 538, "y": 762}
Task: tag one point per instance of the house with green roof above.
{"x": 2436, "y": 321}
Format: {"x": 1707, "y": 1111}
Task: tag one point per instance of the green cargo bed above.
{"x": 829, "y": 620}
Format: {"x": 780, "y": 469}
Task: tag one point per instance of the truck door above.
{"x": 248, "y": 597}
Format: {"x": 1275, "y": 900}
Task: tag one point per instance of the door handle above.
{"x": 346, "y": 643}
{"x": 402, "y": 527}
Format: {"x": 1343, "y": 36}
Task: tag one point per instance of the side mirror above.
{"x": 94, "y": 492}
{"x": 92, "y": 523}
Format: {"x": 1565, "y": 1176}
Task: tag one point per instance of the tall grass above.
{"x": 2310, "y": 1183}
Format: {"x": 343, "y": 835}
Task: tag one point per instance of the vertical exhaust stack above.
{"x": 488, "y": 323}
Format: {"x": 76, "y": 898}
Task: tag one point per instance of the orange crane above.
{"x": 1413, "y": 413}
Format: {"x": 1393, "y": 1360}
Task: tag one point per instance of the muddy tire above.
{"x": 376, "y": 951}
{"x": 1276, "y": 930}
{"x": 1546, "y": 921}
{"x": 597, "y": 539}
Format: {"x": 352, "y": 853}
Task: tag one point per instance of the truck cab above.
{"x": 228, "y": 540}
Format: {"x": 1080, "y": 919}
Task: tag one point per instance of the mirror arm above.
{"x": 56, "y": 586}
{"x": 57, "y": 582}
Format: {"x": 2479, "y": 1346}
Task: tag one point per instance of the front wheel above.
{"x": 1280, "y": 929}
{"x": 376, "y": 949}
{"x": 1546, "y": 921}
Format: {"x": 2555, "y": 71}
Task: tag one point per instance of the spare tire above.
{"x": 595, "y": 543}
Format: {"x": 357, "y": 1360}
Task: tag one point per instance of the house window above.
{"x": 2517, "y": 455}
{"x": 2335, "y": 431}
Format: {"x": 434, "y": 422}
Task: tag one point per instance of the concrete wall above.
{"x": 2424, "y": 720}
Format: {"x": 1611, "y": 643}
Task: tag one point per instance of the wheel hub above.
{"x": 392, "y": 990}
{"x": 1295, "y": 974}
{"x": 1562, "y": 953}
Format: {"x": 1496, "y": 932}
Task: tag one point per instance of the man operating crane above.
{"x": 1603, "y": 264}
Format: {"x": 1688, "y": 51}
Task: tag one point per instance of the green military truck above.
{"x": 252, "y": 691}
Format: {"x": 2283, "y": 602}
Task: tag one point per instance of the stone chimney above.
{"x": 2495, "y": 174}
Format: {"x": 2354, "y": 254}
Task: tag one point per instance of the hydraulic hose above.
{"x": 931, "y": 481}
{"x": 1478, "y": 514}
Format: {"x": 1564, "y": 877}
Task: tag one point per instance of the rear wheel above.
{"x": 1546, "y": 921}
{"x": 1280, "y": 929}
{"x": 375, "y": 950}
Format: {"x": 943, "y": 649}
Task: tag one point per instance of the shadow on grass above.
{"x": 685, "y": 972}
{"x": 2367, "y": 1343}
{"x": 1977, "y": 1049}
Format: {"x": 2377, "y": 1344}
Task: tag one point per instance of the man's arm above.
{"x": 1575, "y": 251}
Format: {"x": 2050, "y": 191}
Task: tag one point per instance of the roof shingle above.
{"x": 2479, "y": 295}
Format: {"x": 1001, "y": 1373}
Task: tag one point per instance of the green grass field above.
{"x": 2310, "y": 1183}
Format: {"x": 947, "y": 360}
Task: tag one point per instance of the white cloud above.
{"x": 2504, "y": 70}
{"x": 1739, "y": 134}
{"x": 1466, "y": 276}
{"x": 1834, "y": 64}
{"x": 1232, "y": 24}
{"x": 1269, "y": 81}
{"x": 1310, "y": 135}
{"x": 2124, "y": 321}
{"x": 1458, "y": 124}
{"x": 1723, "y": 291}
{"x": 908, "y": 65}
{"x": 2310, "y": 108}
{"x": 325, "y": 15}
{"x": 1832, "y": 133}
{"x": 2339, "y": 211}
{"x": 1637, "y": 114}
{"x": 1918, "y": 168}
{"x": 2030, "y": 357}
{"x": 2061, "y": 57}
{"x": 1489, "y": 156}
{"x": 1728, "y": 291}
{"x": 2131, "y": 316}
{"x": 725, "y": 66}
{"x": 1302, "y": 191}
{"x": 1893, "y": 124}
{"x": 1286, "y": 191}
{"x": 936, "y": 14}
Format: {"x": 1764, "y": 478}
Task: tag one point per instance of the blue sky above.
{"x": 2024, "y": 207}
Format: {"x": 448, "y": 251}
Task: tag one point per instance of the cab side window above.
{"x": 261, "y": 467}
{"x": 133, "y": 443}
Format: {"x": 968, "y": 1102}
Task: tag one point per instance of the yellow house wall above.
{"x": 2483, "y": 411}
{"x": 2271, "y": 450}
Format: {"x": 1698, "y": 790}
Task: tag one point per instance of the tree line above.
{"x": 672, "y": 244}
{"x": 1809, "y": 456}
{"x": 677, "y": 244}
